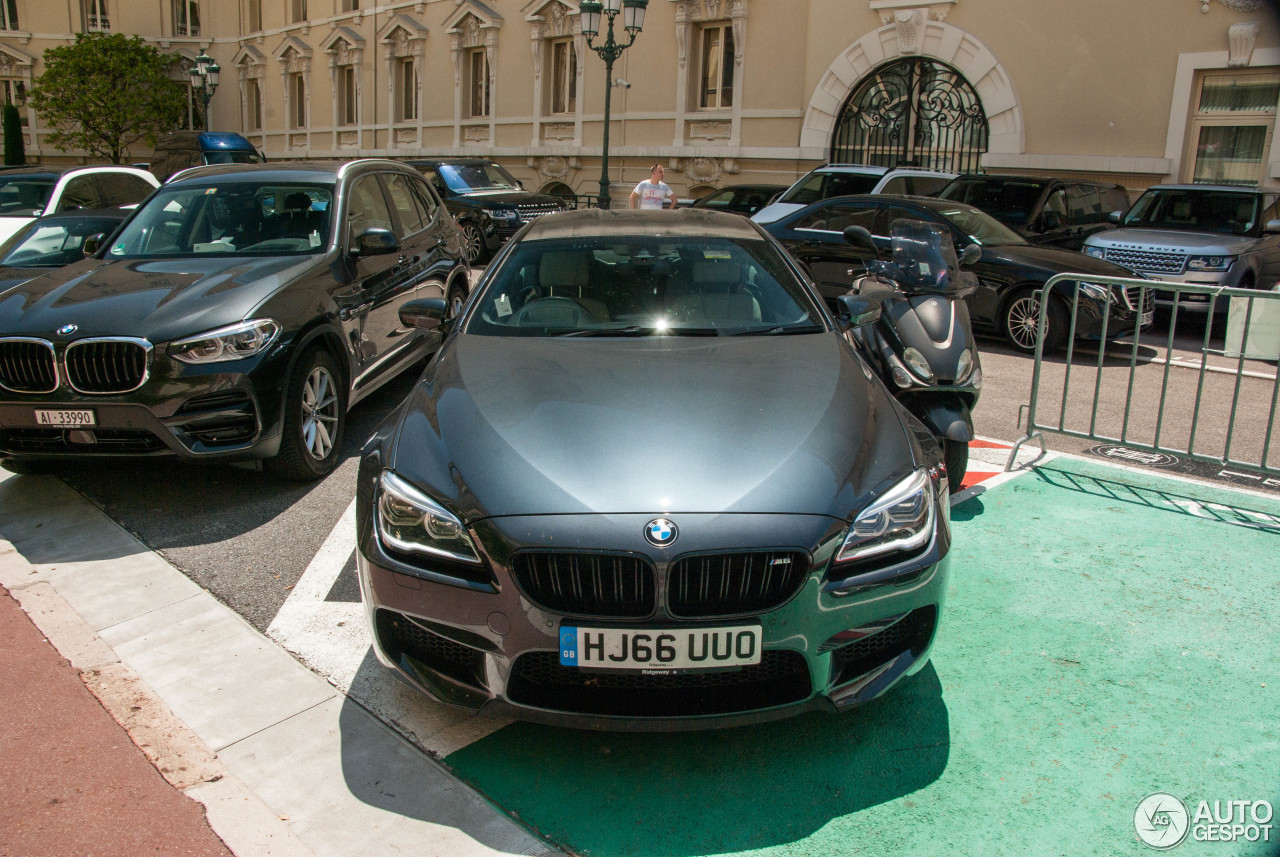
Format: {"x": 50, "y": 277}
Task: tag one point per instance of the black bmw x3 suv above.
{"x": 238, "y": 313}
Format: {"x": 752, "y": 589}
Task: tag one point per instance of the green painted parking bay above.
{"x": 1108, "y": 635}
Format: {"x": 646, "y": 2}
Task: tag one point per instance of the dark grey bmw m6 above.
{"x": 647, "y": 482}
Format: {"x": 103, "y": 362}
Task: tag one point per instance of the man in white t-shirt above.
{"x": 653, "y": 193}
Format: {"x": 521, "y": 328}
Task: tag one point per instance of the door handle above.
{"x": 348, "y": 313}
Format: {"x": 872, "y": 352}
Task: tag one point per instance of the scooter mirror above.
{"x": 970, "y": 254}
{"x": 858, "y": 236}
{"x": 858, "y": 311}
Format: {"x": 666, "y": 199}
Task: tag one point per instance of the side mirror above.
{"x": 424, "y": 313}
{"x": 375, "y": 242}
{"x": 858, "y": 311}
{"x": 970, "y": 254}
{"x": 859, "y": 237}
{"x": 1115, "y": 216}
{"x": 1272, "y": 227}
{"x": 1050, "y": 220}
{"x": 93, "y": 243}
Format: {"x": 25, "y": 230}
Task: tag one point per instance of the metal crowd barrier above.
{"x": 1204, "y": 411}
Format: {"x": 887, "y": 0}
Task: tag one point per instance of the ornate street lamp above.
{"x": 204, "y": 81}
{"x": 632, "y": 22}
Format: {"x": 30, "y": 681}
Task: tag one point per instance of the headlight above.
{"x": 504, "y": 214}
{"x": 1098, "y": 292}
{"x": 226, "y": 343}
{"x": 1095, "y": 252}
{"x": 411, "y": 522}
{"x": 964, "y": 365}
{"x": 1209, "y": 263}
{"x": 918, "y": 364}
{"x": 900, "y": 521}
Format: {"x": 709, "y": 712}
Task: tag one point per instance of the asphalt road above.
{"x": 247, "y": 537}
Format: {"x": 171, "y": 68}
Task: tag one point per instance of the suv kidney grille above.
{"x": 107, "y": 365}
{"x": 27, "y": 366}
{"x": 726, "y": 584}
{"x": 1145, "y": 260}
{"x": 595, "y": 584}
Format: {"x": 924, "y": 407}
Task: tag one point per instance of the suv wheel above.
{"x": 472, "y": 243}
{"x": 315, "y": 413}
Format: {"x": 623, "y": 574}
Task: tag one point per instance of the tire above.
{"x": 955, "y": 454}
{"x": 1021, "y": 319}
{"x": 473, "y": 246}
{"x": 311, "y": 434}
{"x": 455, "y": 299}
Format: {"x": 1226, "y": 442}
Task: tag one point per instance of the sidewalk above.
{"x": 71, "y": 780}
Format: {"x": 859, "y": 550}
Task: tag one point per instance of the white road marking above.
{"x": 332, "y": 638}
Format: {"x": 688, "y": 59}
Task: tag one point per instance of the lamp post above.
{"x": 204, "y": 81}
{"x": 632, "y": 22}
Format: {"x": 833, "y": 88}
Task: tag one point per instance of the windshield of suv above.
{"x": 251, "y": 218}
{"x": 645, "y": 286}
{"x": 1009, "y": 201}
{"x": 818, "y": 186}
{"x": 469, "y": 178}
{"x": 1196, "y": 211}
{"x": 979, "y": 226}
{"x": 22, "y": 196}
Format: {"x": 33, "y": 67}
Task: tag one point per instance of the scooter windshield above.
{"x": 925, "y": 256}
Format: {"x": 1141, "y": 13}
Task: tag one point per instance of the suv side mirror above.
{"x": 376, "y": 242}
{"x": 93, "y": 243}
{"x": 1272, "y": 227}
{"x": 1050, "y": 220}
{"x": 1115, "y": 216}
{"x": 424, "y": 313}
{"x": 858, "y": 311}
{"x": 859, "y": 237}
{"x": 970, "y": 254}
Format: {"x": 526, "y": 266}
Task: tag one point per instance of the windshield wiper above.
{"x": 781, "y": 330}
{"x": 631, "y": 330}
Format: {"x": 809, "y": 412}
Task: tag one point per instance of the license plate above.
{"x": 660, "y": 649}
{"x": 65, "y": 419}
{"x": 1147, "y": 318}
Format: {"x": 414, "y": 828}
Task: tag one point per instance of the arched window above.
{"x": 914, "y": 111}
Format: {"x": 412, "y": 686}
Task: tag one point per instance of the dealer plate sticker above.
{"x": 65, "y": 419}
{"x": 665, "y": 649}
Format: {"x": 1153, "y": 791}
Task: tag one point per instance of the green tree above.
{"x": 106, "y": 92}
{"x": 14, "y": 148}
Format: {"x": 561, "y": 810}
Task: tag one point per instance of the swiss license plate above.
{"x": 1147, "y": 318}
{"x": 660, "y": 649}
{"x": 65, "y": 419}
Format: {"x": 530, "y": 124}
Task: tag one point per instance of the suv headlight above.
{"x": 504, "y": 214}
{"x": 901, "y": 521}
{"x": 226, "y": 343}
{"x": 1095, "y": 252}
{"x": 1209, "y": 263}
{"x": 411, "y": 522}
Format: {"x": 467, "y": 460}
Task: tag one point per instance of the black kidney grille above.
{"x": 594, "y": 584}
{"x": 731, "y": 583}
{"x": 106, "y": 366}
{"x": 27, "y": 366}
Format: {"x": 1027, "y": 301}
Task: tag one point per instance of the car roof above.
{"x": 682, "y": 222}
{"x": 62, "y": 171}
{"x": 861, "y": 169}
{"x": 432, "y": 162}
{"x": 315, "y": 171}
{"x": 1217, "y": 188}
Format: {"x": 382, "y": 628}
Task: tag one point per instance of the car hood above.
{"x": 160, "y": 300}
{"x": 1173, "y": 240}
{"x": 1052, "y": 260}
{"x": 10, "y": 277}
{"x": 534, "y": 426}
{"x": 510, "y": 198}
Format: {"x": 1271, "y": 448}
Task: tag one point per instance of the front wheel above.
{"x": 1022, "y": 321}
{"x": 455, "y": 300}
{"x": 473, "y": 246}
{"x": 315, "y": 413}
{"x": 955, "y": 454}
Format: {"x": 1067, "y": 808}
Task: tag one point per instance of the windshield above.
{"x": 22, "y": 196}
{"x": 645, "y": 286}
{"x": 1010, "y": 201}
{"x": 466, "y": 178}
{"x": 250, "y": 218}
{"x": 1196, "y": 211}
{"x": 53, "y": 243}
{"x": 818, "y": 186}
{"x": 979, "y": 226}
{"x": 226, "y": 157}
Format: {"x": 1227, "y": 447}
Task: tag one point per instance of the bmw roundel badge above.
{"x": 660, "y": 532}
{"x": 68, "y": 329}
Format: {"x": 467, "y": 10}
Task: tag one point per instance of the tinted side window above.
{"x": 841, "y": 217}
{"x": 892, "y": 213}
{"x": 366, "y": 208}
{"x": 119, "y": 189}
{"x": 81, "y": 192}
{"x": 1272, "y": 210}
{"x": 720, "y": 199}
{"x": 407, "y": 209}
{"x": 1084, "y": 205}
{"x": 1114, "y": 199}
{"x": 426, "y": 198}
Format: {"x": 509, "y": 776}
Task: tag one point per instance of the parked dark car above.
{"x": 744, "y": 199}
{"x": 178, "y": 150}
{"x": 1009, "y": 271}
{"x": 238, "y": 314}
{"x": 566, "y": 519}
{"x": 1049, "y": 211}
{"x": 487, "y": 202}
{"x": 52, "y": 242}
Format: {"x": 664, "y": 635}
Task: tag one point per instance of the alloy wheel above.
{"x": 319, "y": 413}
{"x": 1023, "y": 321}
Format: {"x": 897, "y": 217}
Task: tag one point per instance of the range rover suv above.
{"x": 1205, "y": 235}
{"x": 486, "y": 201}
{"x": 1047, "y": 211}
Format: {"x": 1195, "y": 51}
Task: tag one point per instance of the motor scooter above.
{"x": 922, "y": 345}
